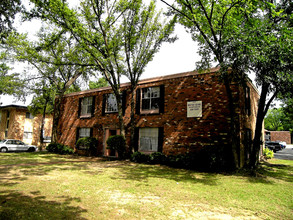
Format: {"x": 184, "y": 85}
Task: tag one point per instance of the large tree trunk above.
{"x": 56, "y": 118}
{"x": 132, "y": 122}
{"x": 233, "y": 124}
{"x": 120, "y": 116}
{"x": 42, "y": 126}
{"x": 261, "y": 112}
{"x": 57, "y": 108}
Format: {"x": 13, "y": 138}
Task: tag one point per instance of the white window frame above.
{"x": 86, "y": 106}
{"x": 150, "y": 93}
{"x": 110, "y": 107}
{"x": 148, "y": 140}
{"x": 27, "y": 135}
{"x": 84, "y": 132}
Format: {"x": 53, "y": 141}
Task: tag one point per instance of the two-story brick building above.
{"x": 16, "y": 122}
{"x": 174, "y": 114}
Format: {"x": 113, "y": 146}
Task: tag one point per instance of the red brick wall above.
{"x": 281, "y": 136}
{"x": 181, "y": 134}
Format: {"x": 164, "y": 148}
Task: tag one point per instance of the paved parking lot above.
{"x": 285, "y": 154}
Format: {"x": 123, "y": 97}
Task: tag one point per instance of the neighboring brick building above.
{"x": 174, "y": 114}
{"x": 278, "y": 136}
{"x": 16, "y": 122}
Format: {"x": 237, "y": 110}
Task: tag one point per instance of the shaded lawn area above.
{"x": 48, "y": 186}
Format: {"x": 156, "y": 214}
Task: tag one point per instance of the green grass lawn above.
{"x": 48, "y": 186}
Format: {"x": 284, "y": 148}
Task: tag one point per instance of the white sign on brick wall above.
{"x": 194, "y": 109}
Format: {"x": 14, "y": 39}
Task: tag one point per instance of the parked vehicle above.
{"x": 273, "y": 145}
{"x": 16, "y": 145}
{"x": 283, "y": 144}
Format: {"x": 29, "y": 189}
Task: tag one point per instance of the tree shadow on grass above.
{"x": 13, "y": 175}
{"x": 268, "y": 173}
{"x": 142, "y": 173}
{"x": 276, "y": 171}
{"x": 15, "y": 205}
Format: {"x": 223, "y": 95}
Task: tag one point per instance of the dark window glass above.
{"x": 150, "y": 98}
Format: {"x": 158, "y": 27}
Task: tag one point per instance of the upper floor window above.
{"x": 111, "y": 103}
{"x": 150, "y": 100}
{"x": 86, "y": 107}
{"x": 29, "y": 115}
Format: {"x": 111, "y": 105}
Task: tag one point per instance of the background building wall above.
{"x": 281, "y": 136}
{"x": 20, "y": 124}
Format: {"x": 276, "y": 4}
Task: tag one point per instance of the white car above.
{"x": 16, "y": 145}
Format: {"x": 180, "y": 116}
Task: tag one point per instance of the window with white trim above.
{"x": 150, "y": 99}
{"x": 27, "y": 135}
{"x": 84, "y": 132}
{"x": 148, "y": 139}
{"x": 86, "y": 107}
{"x": 111, "y": 103}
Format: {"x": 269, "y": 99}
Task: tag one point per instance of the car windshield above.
{"x": 2, "y": 141}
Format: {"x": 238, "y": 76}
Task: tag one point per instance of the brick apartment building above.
{"x": 16, "y": 122}
{"x": 174, "y": 114}
{"x": 278, "y": 136}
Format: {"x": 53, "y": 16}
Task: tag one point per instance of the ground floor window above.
{"x": 148, "y": 139}
{"x": 84, "y": 132}
{"x": 27, "y": 135}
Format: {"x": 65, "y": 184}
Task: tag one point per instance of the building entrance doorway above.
{"x": 108, "y": 133}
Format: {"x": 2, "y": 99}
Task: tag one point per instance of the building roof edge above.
{"x": 148, "y": 80}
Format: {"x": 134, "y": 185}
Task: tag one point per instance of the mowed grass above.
{"x": 48, "y": 186}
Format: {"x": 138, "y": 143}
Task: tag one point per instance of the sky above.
{"x": 172, "y": 58}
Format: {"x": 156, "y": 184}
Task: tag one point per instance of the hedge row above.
{"x": 59, "y": 149}
{"x": 209, "y": 159}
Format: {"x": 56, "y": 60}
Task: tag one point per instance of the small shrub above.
{"x": 89, "y": 144}
{"x": 59, "y": 149}
{"x": 157, "y": 158}
{"x": 52, "y": 147}
{"x": 118, "y": 143}
{"x": 139, "y": 157}
{"x": 268, "y": 154}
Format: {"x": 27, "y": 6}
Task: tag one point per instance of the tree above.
{"x": 244, "y": 35}
{"x": 102, "y": 28}
{"x": 8, "y": 11}
{"x": 273, "y": 120}
{"x": 42, "y": 103}
{"x": 143, "y": 34}
{"x": 58, "y": 59}
{"x": 102, "y": 82}
{"x": 212, "y": 24}
{"x": 266, "y": 44}
{"x": 10, "y": 83}
{"x": 288, "y": 112}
